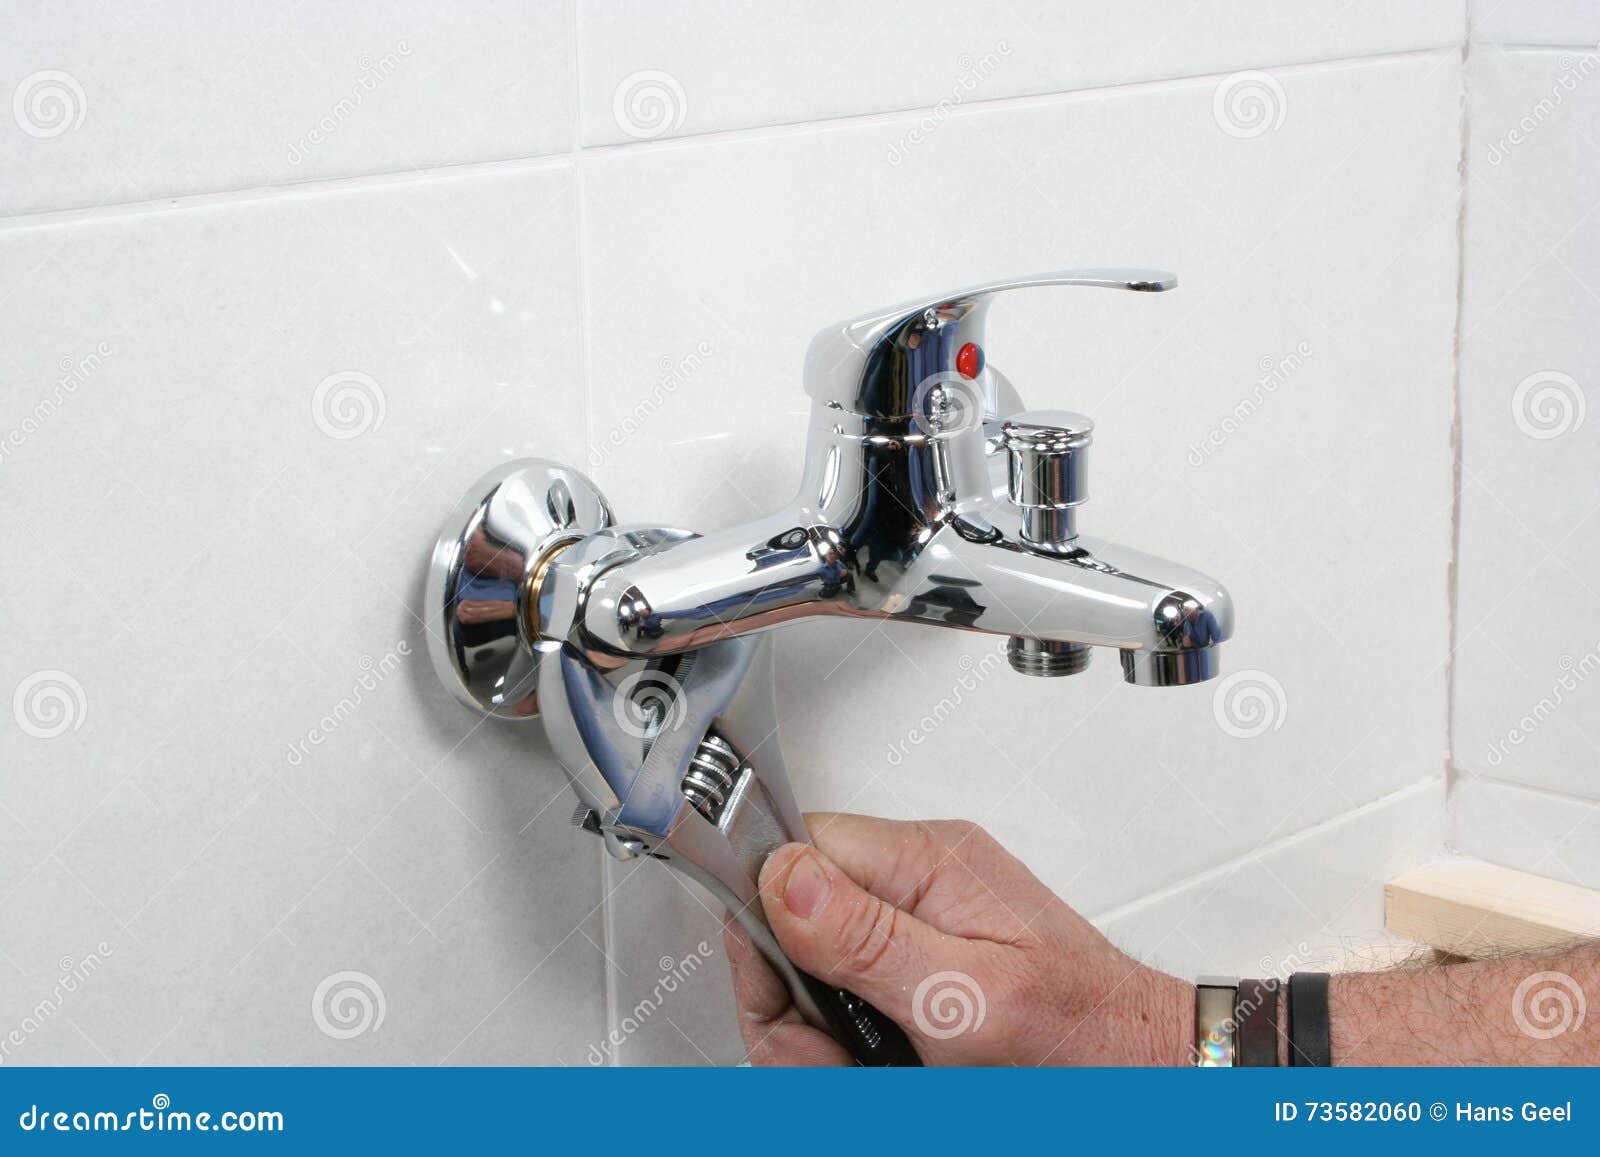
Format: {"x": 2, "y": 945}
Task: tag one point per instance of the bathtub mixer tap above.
{"x": 929, "y": 495}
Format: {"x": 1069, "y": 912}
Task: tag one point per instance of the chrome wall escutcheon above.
{"x": 929, "y": 495}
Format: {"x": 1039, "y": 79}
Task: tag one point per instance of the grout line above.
{"x": 190, "y": 202}
{"x": 968, "y": 108}
{"x": 1584, "y": 46}
{"x": 1227, "y": 867}
{"x": 1535, "y": 789}
{"x": 1457, "y": 430}
{"x": 609, "y": 941}
{"x": 606, "y": 864}
{"x": 197, "y": 200}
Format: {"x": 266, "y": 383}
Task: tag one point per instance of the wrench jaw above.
{"x": 632, "y": 785}
{"x": 759, "y": 815}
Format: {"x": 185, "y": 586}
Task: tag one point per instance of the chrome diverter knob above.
{"x": 1047, "y": 472}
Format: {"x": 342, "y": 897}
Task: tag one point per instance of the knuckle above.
{"x": 964, "y": 833}
{"x": 868, "y": 940}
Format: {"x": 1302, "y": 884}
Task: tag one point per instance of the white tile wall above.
{"x": 215, "y": 568}
{"x": 1527, "y": 703}
{"x": 116, "y": 102}
{"x": 1312, "y": 901}
{"x": 1522, "y": 22}
{"x": 212, "y": 552}
{"x": 655, "y": 70}
{"x": 1528, "y": 828}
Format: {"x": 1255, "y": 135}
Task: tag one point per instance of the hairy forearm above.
{"x": 1524, "y": 1010}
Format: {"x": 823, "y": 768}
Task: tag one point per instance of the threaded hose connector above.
{"x": 1045, "y": 658}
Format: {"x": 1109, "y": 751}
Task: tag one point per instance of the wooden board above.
{"x": 1473, "y": 909}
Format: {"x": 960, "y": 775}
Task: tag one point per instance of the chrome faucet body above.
{"x": 929, "y": 495}
{"x": 899, "y": 516}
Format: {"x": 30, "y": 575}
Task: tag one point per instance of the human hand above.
{"x": 950, "y": 936}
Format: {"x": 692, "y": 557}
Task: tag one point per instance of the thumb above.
{"x": 846, "y": 937}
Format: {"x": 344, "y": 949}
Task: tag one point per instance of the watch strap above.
{"x": 1309, "y": 1042}
{"x": 1255, "y": 1018}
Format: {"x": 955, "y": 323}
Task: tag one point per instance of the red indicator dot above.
{"x": 969, "y": 360}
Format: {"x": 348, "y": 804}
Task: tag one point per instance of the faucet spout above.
{"x": 1166, "y": 619}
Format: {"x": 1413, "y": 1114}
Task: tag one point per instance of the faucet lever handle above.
{"x": 874, "y": 364}
{"x": 1136, "y": 280}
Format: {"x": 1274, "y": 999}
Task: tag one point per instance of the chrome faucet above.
{"x": 930, "y": 495}
{"x": 902, "y": 515}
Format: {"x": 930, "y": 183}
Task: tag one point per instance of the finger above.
{"x": 948, "y": 873}
{"x": 772, "y": 1028}
{"x": 760, "y": 993}
{"x": 844, "y": 936}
